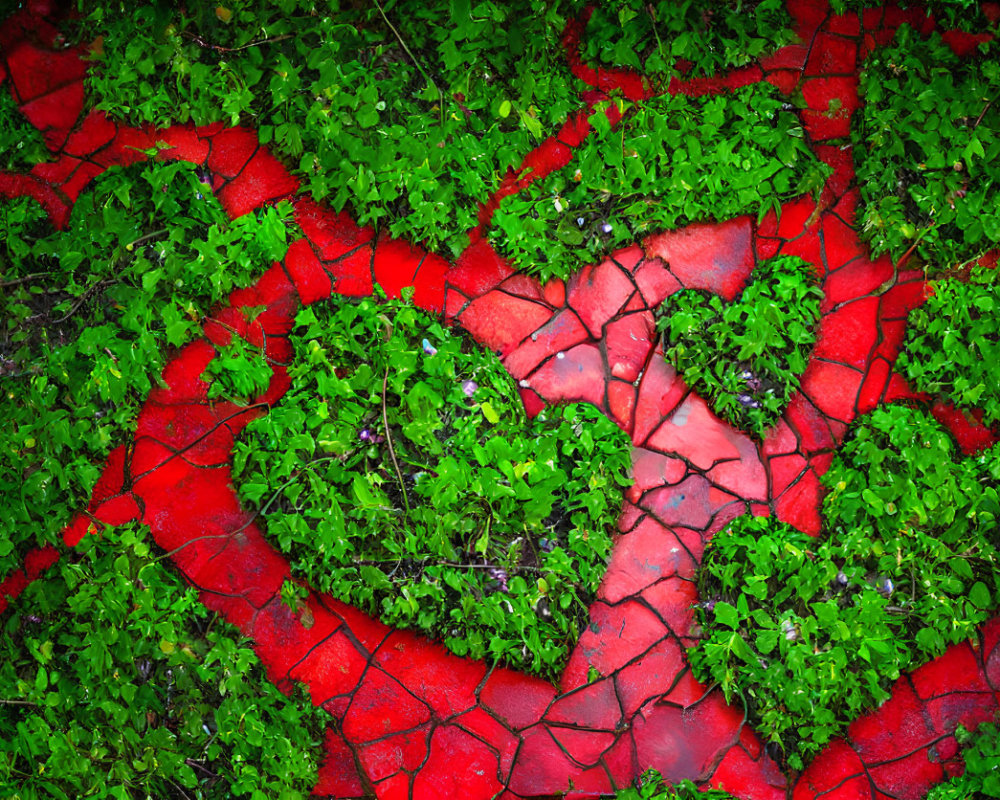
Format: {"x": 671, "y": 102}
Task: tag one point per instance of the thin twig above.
{"x": 388, "y": 441}
{"x": 409, "y": 52}
{"x": 18, "y": 703}
{"x": 983, "y": 114}
{"x": 219, "y": 48}
{"x": 83, "y": 298}
{"x": 364, "y": 562}
{"x": 179, "y": 789}
{"x": 24, "y": 279}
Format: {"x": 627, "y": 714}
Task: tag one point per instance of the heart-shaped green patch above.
{"x": 746, "y": 357}
{"x": 399, "y": 474}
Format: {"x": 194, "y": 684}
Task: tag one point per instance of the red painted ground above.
{"x": 408, "y": 719}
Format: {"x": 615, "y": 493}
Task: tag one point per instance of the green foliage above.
{"x": 927, "y": 148}
{"x": 89, "y": 315}
{"x": 746, "y": 357}
{"x": 21, "y": 144}
{"x": 673, "y": 160}
{"x": 810, "y": 633}
{"x": 400, "y": 475}
{"x": 652, "y": 37}
{"x": 650, "y": 786}
{"x": 117, "y": 683}
{"x": 981, "y": 778}
{"x": 949, "y": 14}
{"x": 409, "y": 119}
{"x": 951, "y": 347}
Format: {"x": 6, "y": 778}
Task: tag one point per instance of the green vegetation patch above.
{"x": 981, "y": 778}
{"x": 673, "y": 160}
{"x": 746, "y": 357}
{"x": 811, "y": 632}
{"x": 650, "y": 786}
{"x": 951, "y": 348}
{"x": 407, "y": 113}
{"x": 89, "y": 317}
{"x": 399, "y": 474}
{"x": 118, "y": 683}
{"x": 23, "y": 144}
{"x": 704, "y": 37}
{"x": 927, "y": 150}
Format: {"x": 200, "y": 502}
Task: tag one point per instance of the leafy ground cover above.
{"x": 401, "y": 476}
{"x": 808, "y": 632}
{"x": 927, "y": 154}
{"x": 650, "y": 786}
{"x": 673, "y": 160}
{"x": 89, "y": 317}
{"x": 951, "y": 344}
{"x": 128, "y": 687}
{"x": 746, "y": 357}
{"x": 238, "y": 372}
{"x": 406, "y": 113}
{"x": 663, "y": 38}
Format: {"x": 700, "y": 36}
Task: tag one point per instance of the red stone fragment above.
{"x": 967, "y": 428}
{"x": 478, "y": 270}
{"x": 126, "y": 148}
{"x": 831, "y": 102}
{"x": 597, "y": 293}
{"x": 784, "y": 80}
{"x": 577, "y": 376}
{"x": 517, "y": 701}
{"x": 684, "y": 743}
{"x": 55, "y": 114}
{"x": 387, "y": 757}
{"x": 594, "y": 705}
{"x": 837, "y": 773}
{"x": 501, "y": 322}
{"x": 691, "y": 503}
{"x": 831, "y": 55}
{"x": 310, "y": 279}
{"x": 807, "y": 16}
{"x": 693, "y": 432}
{"x": 333, "y": 234}
{"x": 833, "y": 388}
{"x": 94, "y": 132}
{"x": 35, "y": 72}
{"x": 560, "y": 333}
{"x": 641, "y": 558}
{"x": 183, "y": 143}
{"x": 381, "y": 706}
{"x": 798, "y": 505}
{"x": 352, "y": 274}
{"x": 444, "y": 682}
{"x": 673, "y": 600}
{"x": 655, "y": 281}
{"x": 231, "y": 150}
{"x": 430, "y": 282}
{"x": 338, "y": 774}
{"x": 964, "y": 44}
{"x": 334, "y": 668}
{"x": 627, "y": 345}
{"x": 621, "y": 404}
{"x": 648, "y": 677}
{"x": 753, "y": 780}
{"x": 395, "y": 264}
{"x": 848, "y": 335}
{"x": 459, "y": 765}
{"x": 717, "y": 257}
{"x": 541, "y": 767}
{"x": 896, "y": 728}
{"x": 264, "y": 179}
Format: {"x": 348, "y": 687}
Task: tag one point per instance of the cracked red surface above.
{"x": 409, "y": 720}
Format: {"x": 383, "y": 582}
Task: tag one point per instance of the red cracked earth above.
{"x": 409, "y": 719}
